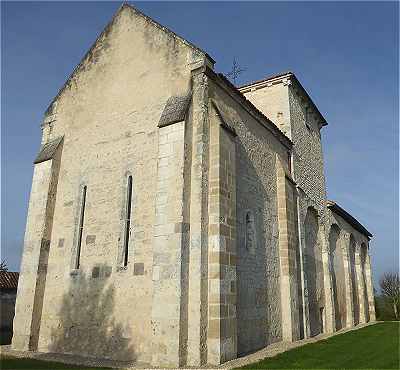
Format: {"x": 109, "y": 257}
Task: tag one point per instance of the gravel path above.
{"x": 270, "y": 351}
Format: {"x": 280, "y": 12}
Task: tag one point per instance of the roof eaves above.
{"x": 264, "y": 120}
{"x": 322, "y": 118}
{"x": 266, "y": 79}
{"x": 280, "y": 77}
{"x": 348, "y": 217}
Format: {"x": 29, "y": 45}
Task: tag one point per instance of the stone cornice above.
{"x": 288, "y": 78}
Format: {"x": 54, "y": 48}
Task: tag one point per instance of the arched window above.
{"x": 251, "y": 238}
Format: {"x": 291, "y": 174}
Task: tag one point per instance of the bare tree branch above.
{"x": 390, "y": 288}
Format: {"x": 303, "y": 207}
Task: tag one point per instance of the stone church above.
{"x": 178, "y": 220}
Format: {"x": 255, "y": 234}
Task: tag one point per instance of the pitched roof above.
{"x": 9, "y": 280}
{"x": 279, "y": 77}
{"x": 348, "y": 217}
{"x": 106, "y": 30}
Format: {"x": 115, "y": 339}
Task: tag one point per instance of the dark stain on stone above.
{"x": 90, "y": 239}
{"x": 61, "y": 243}
{"x": 107, "y": 271}
{"x": 138, "y": 269}
{"x": 96, "y": 272}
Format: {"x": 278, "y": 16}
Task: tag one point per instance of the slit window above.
{"x": 127, "y": 220}
{"x": 250, "y": 232}
{"x": 80, "y": 231}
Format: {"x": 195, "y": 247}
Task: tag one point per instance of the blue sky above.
{"x": 345, "y": 54}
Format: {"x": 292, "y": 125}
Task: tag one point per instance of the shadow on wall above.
{"x": 87, "y": 325}
{"x": 314, "y": 272}
{"x": 354, "y": 280}
{"x": 336, "y": 268}
{"x": 258, "y": 304}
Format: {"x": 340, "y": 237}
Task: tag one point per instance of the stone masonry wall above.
{"x": 34, "y": 265}
{"x": 308, "y": 169}
{"x": 169, "y": 244}
{"x": 108, "y": 113}
{"x": 273, "y": 101}
{"x": 291, "y": 300}
{"x": 300, "y": 123}
{"x": 222, "y": 299}
{"x": 357, "y": 272}
{"x": 258, "y": 282}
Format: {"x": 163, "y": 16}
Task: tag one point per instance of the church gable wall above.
{"x": 108, "y": 114}
{"x": 258, "y": 285}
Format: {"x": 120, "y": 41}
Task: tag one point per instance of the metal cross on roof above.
{"x": 235, "y": 72}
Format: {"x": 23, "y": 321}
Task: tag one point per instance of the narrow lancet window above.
{"x": 128, "y": 219}
{"x": 80, "y": 231}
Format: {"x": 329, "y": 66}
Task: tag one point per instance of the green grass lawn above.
{"x": 373, "y": 347}
{"x": 27, "y": 363}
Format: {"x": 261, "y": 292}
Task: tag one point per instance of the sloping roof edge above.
{"x": 106, "y": 30}
{"x": 175, "y": 110}
{"x": 223, "y": 82}
{"x": 292, "y": 76}
{"x": 48, "y": 150}
{"x": 224, "y": 122}
{"x": 266, "y": 79}
{"x": 166, "y": 29}
{"x": 348, "y": 217}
